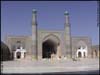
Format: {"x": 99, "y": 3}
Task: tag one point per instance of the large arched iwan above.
{"x": 49, "y": 45}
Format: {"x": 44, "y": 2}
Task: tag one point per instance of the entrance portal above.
{"x": 49, "y": 47}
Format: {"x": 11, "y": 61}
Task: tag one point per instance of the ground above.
{"x": 45, "y": 66}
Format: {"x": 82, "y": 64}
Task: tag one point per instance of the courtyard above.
{"x": 50, "y": 66}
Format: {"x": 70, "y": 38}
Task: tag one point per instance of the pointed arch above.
{"x": 49, "y": 45}
{"x": 52, "y": 37}
{"x": 79, "y": 54}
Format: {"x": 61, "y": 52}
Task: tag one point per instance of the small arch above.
{"x": 84, "y": 54}
{"x": 24, "y": 54}
{"x": 82, "y": 48}
{"x": 79, "y": 54}
{"x": 18, "y": 55}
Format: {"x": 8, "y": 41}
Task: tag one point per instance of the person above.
{"x": 52, "y": 57}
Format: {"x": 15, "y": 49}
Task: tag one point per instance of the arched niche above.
{"x": 81, "y": 49}
{"x": 50, "y": 45}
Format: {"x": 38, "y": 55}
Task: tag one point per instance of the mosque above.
{"x": 42, "y": 44}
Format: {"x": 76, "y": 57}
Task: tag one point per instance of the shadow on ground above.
{"x": 62, "y": 73}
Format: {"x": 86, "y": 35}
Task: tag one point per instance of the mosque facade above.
{"x": 42, "y": 44}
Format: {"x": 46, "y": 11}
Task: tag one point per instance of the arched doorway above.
{"x": 82, "y": 49}
{"x": 49, "y": 46}
{"x": 18, "y": 55}
{"x": 79, "y": 54}
{"x": 84, "y": 55}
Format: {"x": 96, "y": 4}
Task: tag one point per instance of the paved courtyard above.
{"x": 45, "y": 66}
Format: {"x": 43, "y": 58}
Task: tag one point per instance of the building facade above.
{"x": 43, "y": 43}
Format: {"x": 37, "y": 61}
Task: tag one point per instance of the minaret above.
{"x": 67, "y": 35}
{"x": 34, "y": 33}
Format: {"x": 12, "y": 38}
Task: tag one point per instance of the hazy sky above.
{"x": 16, "y": 17}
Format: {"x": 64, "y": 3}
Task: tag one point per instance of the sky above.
{"x": 16, "y": 17}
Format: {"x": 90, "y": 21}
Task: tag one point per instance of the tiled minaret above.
{"x": 67, "y": 35}
{"x": 34, "y": 33}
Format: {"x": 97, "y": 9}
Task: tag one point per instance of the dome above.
{"x": 34, "y": 11}
{"x": 66, "y": 13}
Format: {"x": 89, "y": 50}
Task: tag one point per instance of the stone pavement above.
{"x": 45, "y": 66}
